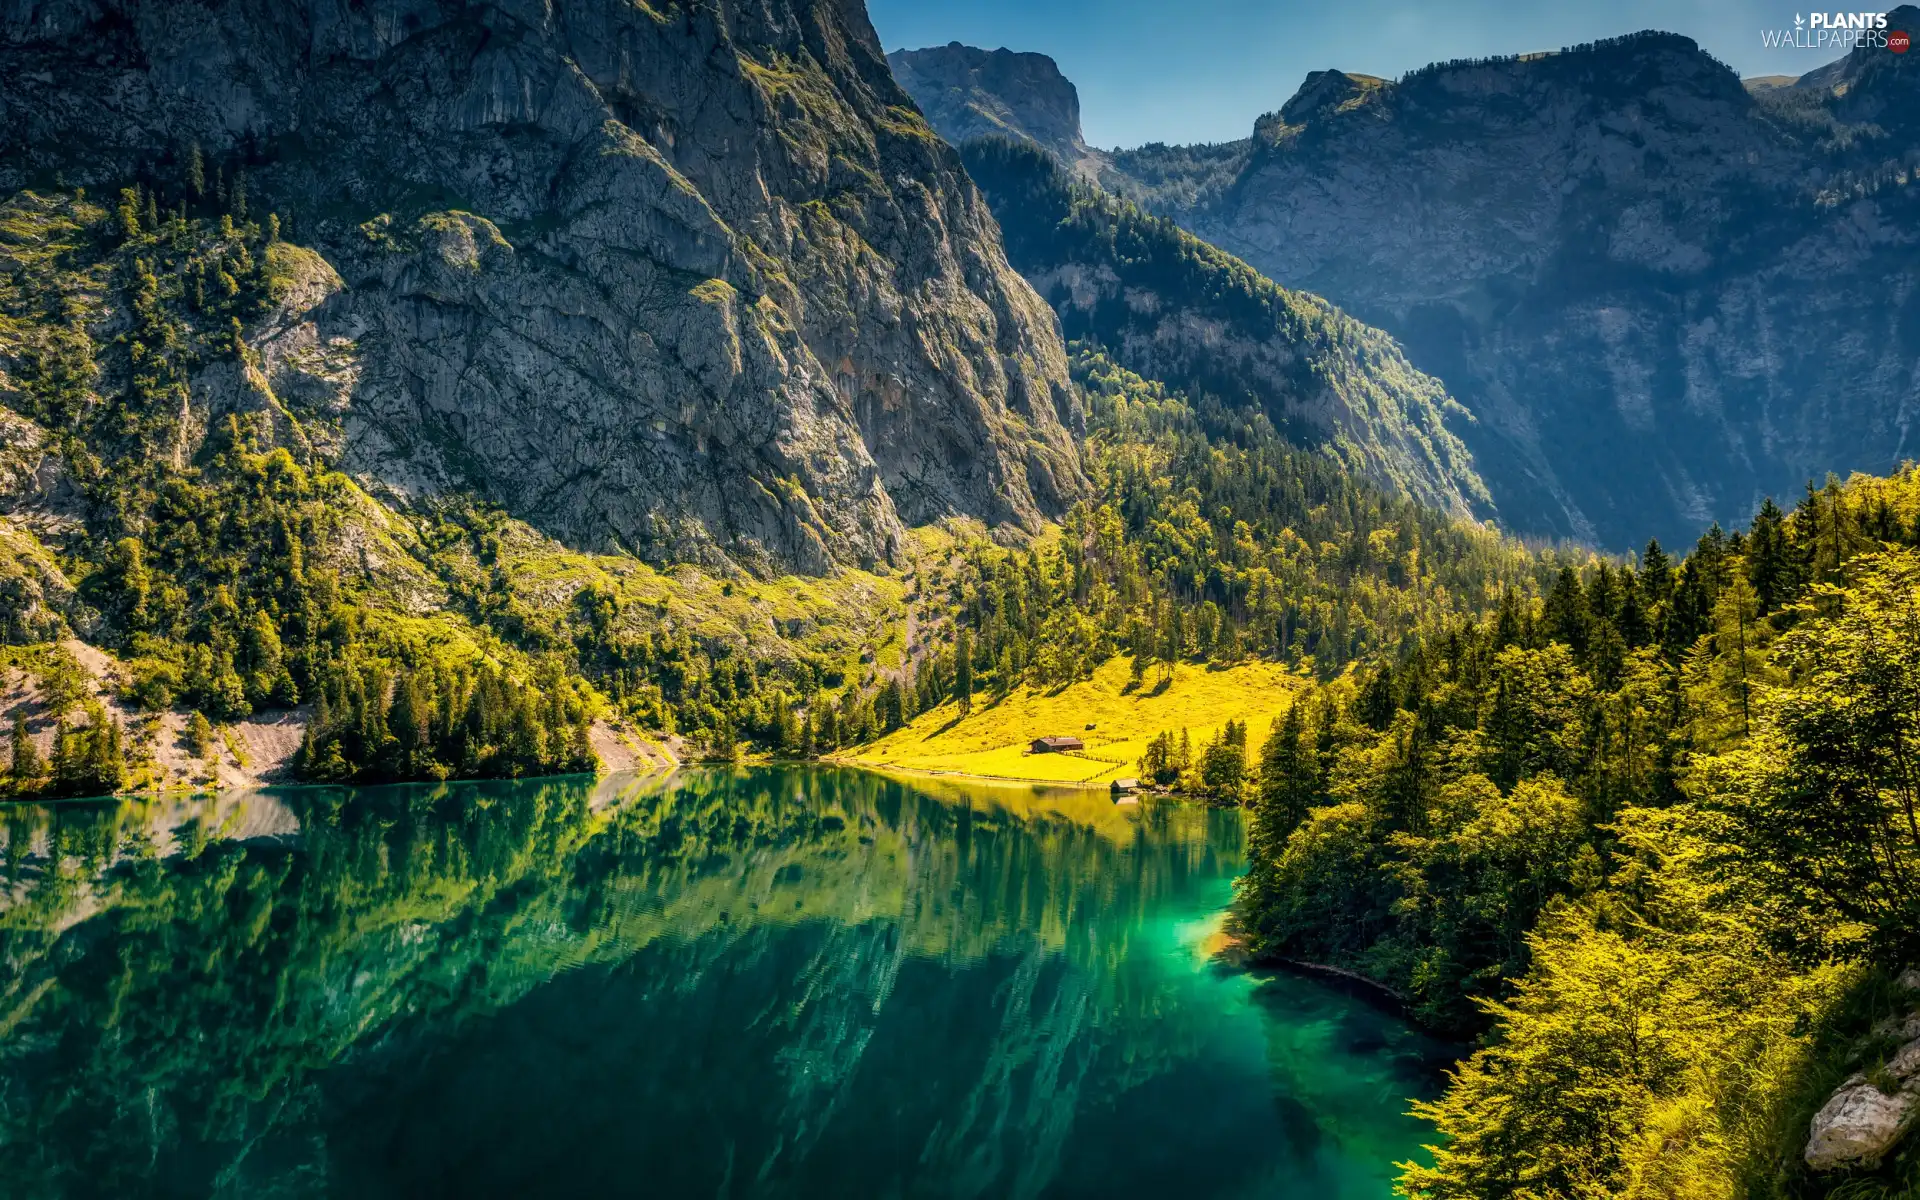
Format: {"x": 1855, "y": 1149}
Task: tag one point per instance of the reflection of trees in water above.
{"x": 171, "y": 993}
{"x": 1387, "y": 1061}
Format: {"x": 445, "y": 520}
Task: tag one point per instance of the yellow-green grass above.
{"x": 992, "y": 742}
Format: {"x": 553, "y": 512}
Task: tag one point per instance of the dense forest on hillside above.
{"x": 1172, "y": 307}
{"x": 1212, "y": 539}
{"x": 223, "y": 561}
{"x": 1643, "y": 834}
{"x": 218, "y": 552}
{"x": 205, "y": 536}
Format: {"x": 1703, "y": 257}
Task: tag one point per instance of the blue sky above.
{"x": 1202, "y": 70}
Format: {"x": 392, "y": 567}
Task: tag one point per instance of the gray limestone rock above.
{"x": 1866, "y": 1117}
{"x": 692, "y": 279}
{"x": 969, "y": 93}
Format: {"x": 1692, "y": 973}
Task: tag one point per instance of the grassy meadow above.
{"x": 1115, "y": 721}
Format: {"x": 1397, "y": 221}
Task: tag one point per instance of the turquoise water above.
{"x": 779, "y": 983}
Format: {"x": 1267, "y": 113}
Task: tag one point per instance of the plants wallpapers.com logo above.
{"x": 1841, "y": 31}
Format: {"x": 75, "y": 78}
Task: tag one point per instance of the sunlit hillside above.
{"x": 1115, "y": 722}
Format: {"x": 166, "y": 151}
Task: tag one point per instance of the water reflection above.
{"x": 754, "y": 983}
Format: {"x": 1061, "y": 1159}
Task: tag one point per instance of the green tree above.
{"x": 1823, "y": 801}
{"x": 1289, "y": 785}
{"x": 963, "y": 670}
{"x": 26, "y": 769}
{"x": 200, "y": 735}
{"x": 1223, "y": 764}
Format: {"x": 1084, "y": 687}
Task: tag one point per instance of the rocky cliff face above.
{"x": 1662, "y": 296}
{"x": 692, "y": 279}
{"x": 969, "y": 93}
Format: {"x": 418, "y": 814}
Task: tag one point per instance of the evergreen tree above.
{"x": 1770, "y": 567}
{"x": 1656, "y": 572}
{"x": 129, "y": 213}
{"x": 963, "y": 670}
{"x": 1725, "y": 669}
{"x": 26, "y": 769}
{"x": 200, "y": 735}
{"x": 106, "y": 770}
{"x": 1289, "y": 785}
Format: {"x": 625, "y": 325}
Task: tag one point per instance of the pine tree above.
{"x": 129, "y": 214}
{"x": 1567, "y": 616}
{"x": 963, "y": 670}
{"x": 200, "y": 735}
{"x": 1289, "y": 785}
{"x": 1656, "y": 572}
{"x": 196, "y": 173}
{"x": 106, "y": 768}
{"x": 786, "y": 735}
{"x": 1723, "y": 672}
{"x": 584, "y": 757}
{"x": 892, "y": 708}
{"x": 409, "y": 722}
{"x": 60, "y": 767}
{"x": 26, "y": 769}
{"x": 1507, "y": 626}
{"x": 1770, "y": 566}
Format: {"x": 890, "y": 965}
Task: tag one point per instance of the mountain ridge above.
{"x": 1600, "y": 252}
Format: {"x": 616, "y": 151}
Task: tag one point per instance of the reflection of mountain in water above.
{"x": 755, "y": 983}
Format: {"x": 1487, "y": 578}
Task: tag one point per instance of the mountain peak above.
{"x": 1328, "y": 91}
{"x": 967, "y": 92}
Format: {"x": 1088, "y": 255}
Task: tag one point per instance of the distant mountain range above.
{"x": 1662, "y": 293}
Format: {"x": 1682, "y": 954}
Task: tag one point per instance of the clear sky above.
{"x": 1202, "y": 70}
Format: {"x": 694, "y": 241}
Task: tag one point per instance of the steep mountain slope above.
{"x": 689, "y": 279}
{"x": 1170, "y": 307}
{"x": 1663, "y": 296}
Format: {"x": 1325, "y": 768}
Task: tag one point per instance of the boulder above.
{"x": 1858, "y": 1125}
{"x": 1864, "y": 1119}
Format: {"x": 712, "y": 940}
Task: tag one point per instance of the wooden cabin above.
{"x": 1124, "y": 787}
{"x": 1057, "y": 744}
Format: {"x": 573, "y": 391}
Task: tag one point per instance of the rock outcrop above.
{"x": 1865, "y": 1118}
{"x": 1869, "y": 1113}
{"x": 968, "y": 93}
{"x": 690, "y": 279}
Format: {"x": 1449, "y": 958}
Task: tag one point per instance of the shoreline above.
{"x": 962, "y": 776}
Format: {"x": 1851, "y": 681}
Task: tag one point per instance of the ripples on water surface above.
{"x": 782, "y": 983}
